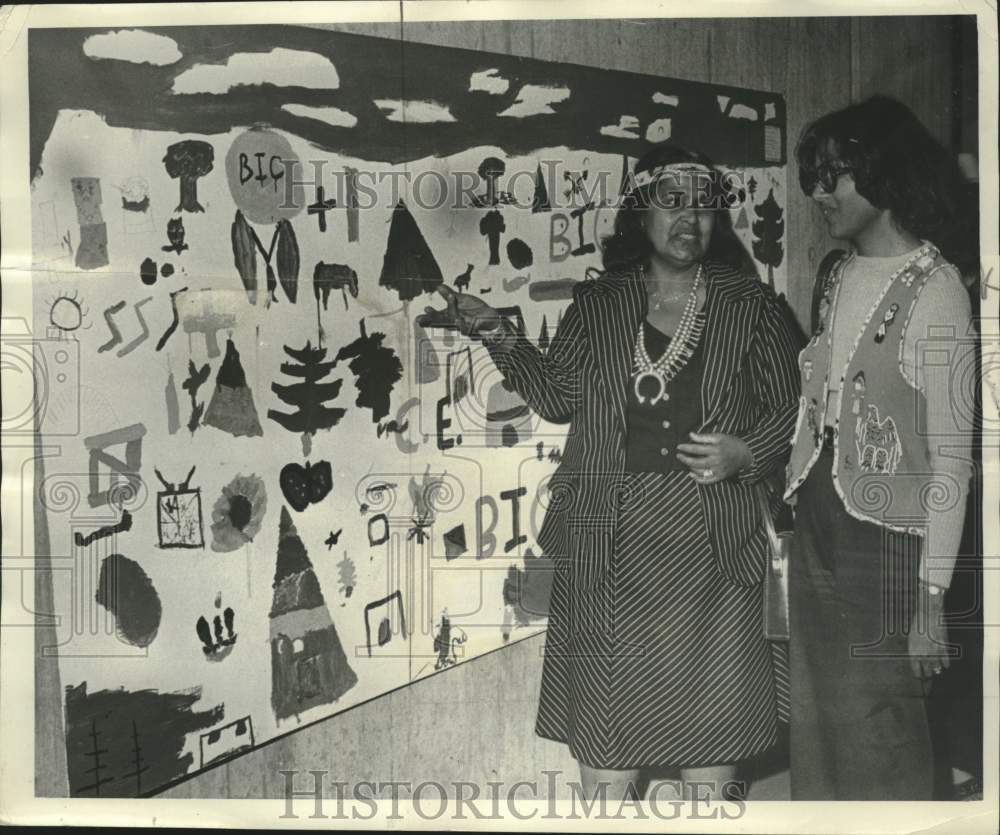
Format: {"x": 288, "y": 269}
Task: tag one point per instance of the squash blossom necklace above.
{"x": 679, "y": 351}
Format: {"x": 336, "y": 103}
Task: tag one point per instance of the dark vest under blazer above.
{"x": 750, "y": 389}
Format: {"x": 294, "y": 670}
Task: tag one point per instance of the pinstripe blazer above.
{"x": 750, "y": 389}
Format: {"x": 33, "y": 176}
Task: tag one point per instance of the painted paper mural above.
{"x": 277, "y": 493}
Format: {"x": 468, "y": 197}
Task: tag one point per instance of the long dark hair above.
{"x": 628, "y": 245}
{"x": 897, "y": 164}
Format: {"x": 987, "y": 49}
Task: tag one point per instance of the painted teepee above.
{"x": 308, "y": 664}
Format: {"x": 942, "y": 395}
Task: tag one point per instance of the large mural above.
{"x": 276, "y": 493}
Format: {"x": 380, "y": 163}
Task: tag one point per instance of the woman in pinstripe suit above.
{"x": 678, "y": 378}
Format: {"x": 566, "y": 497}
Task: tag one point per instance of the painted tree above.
{"x": 377, "y": 369}
{"x": 409, "y": 266}
{"x": 540, "y": 202}
{"x": 187, "y": 161}
{"x": 543, "y": 336}
{"x": 752, "y": 186}
{"x": 310, "y": 396}
{"x": 768, "y": 232}
{"x": 347, "y": 576}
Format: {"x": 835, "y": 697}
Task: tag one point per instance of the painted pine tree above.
{"x": 347, "y": 576}
{"x": 540, "y": 203}
{"x": 543, "y": 336}
{"x": 768, "y": 232}
{"x": 310, "y": 396}
{"x": 409, "y": 266}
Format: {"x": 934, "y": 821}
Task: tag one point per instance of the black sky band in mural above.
{"x": 139, "y": 96}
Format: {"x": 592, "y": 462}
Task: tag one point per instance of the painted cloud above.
{"x": 659, "y": 131}
{"x": 535, "y": 100}
{"x": 281, "y": 67}
{"x": 414, "y": 111}
{"x": 133, "y": 45}
{"x": 330, "y": 115}
{"x": 488, "y": 81}
{"x": 627, "y": 128}
{"x": 663, "y": 98}
{"x": 741, "y": 111}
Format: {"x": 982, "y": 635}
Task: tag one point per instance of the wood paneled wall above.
{"x": 476, "y": 722}
{"x": 818, "y": 64}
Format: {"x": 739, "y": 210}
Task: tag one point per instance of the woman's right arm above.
{"x": 549, "y": 382}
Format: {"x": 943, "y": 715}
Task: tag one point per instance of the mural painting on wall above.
{"x": 257, "y": 218}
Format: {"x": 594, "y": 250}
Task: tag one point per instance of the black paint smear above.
{"x": 175, "y": 320}
{"x": 136, "y": 205}
{"x": 167, "y": 270}
{"x": 310, "y": 396}
{"x": 126, "y": 591}
{"x": 195, "y": 379}
{"x": 558, "y": 289}
{"x": 519, "y": 254}
{"x": 138, "y": 96}
{"x": 454, "y": 542}
{"x": 384, "y": 632}
{"x": 377, "y": 368}
{"x": 528, "y": 590}
{"x": 147, "y": 271}
{"x": 122, "y": 743}
{"x": 108, "y": 530}
{"x": 303, "y": 486}
{"x": 409, "y": 266}
{"x": 187, "y": 161}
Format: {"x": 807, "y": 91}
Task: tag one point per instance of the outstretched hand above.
{"x": 465, "y": 313}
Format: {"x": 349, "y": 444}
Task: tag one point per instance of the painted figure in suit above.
{"x": 676, "y": 374}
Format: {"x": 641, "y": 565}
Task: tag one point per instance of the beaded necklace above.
{"x": 679, "y": 351}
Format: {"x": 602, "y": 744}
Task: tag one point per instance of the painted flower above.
{"x": 238, "y": 513}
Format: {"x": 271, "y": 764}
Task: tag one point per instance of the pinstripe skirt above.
{"x": 665, "y": 663}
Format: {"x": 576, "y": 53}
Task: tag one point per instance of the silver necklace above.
{"x": 678, "y": 352}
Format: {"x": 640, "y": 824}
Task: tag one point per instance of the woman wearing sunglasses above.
{"x": 880, "y": 462}
{"x": 676, "y": 374}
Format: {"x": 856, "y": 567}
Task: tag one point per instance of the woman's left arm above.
{"x": 774, "y": 369}
{"x": 942, "y": 305}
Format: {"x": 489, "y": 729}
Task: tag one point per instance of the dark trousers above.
{"x": 858, "y": 715}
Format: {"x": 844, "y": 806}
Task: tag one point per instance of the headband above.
{"x": 645, "y": 178}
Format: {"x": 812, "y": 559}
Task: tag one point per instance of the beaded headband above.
{"x": 645, "y": 178}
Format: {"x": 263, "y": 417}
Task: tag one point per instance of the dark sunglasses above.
{"x": 824, "y": 175}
